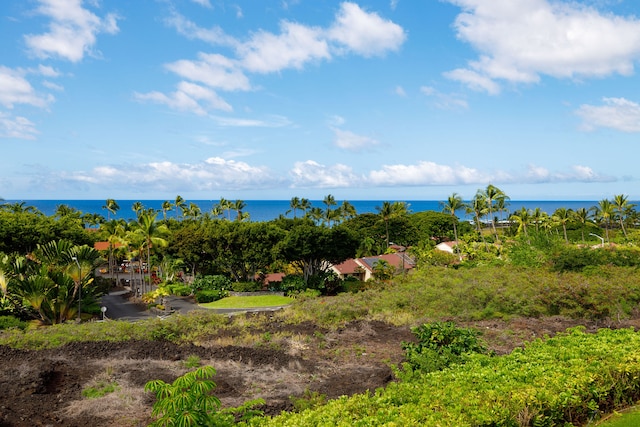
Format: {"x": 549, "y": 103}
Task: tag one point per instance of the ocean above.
{"x": 266, "y": 210}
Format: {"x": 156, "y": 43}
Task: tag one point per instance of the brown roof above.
{"x": 104, "y": 246}
{"x": 350, "y": 266}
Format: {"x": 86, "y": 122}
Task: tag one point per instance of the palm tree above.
{"x": 605, "y": 212}
{"x": 539, "y": 217}
{"x": 305, "y": 205}
{"x": 238, "y": 206}
{"x": 347, "y": 210}
{"x": 295, "y": 204}
{"x": 166, "y": 207}
{"x": 329, "y": 201}
{"x": 491, "y": 195}
{"x": 583, "y": 216}
{"x": 453, "y": 204}
{"x": 112, "y": 207}
{"x": 152, "y": 233}
{"x": 622, "y": 208}
{"x": 192, "y": 211}
{"x": 522, "y": 218}
{"x": 226, "y": 205}
{"x": 562, "y": 216}
{"x": 137, "y": 207}
{"x": 478, "y": 207}
{"x": 179, "y": 203}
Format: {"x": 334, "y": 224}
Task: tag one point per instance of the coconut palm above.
{"x": 238, "y": 206}
{"x": 522, "y": 218}
{"x": 453, "y": 204}
{"x": 583, "y": 216}
{"x": 347, "y": 210}
{"x": 137, "y": 207}
{"x": 622, "y": 208}
{"x": 166, "y": 207}
{"x": 562, "y": 216}
{"x": 152, "y": 233}
{"x": 295, "y": 204}
{"x": 112, "y": 207}
{"x": 492, "y": 194}
{"x": 605, "y": 211}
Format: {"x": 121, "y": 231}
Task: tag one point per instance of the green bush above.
{"x": 211, "y": 283}
{"x": 8, "y": 322}
{"x": 441, "y": 344}
{"x": 293, "y": 283}
{"x": 210, "y": 296}
{"x": 247, "y": 286}
{"x": 179, "y": 289}
{"x": 576, "y": 259}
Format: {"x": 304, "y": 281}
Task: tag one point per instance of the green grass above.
{"x": 625, "y": 419}
{"x": 249, "y": 302}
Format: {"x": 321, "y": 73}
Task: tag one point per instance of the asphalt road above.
{"x": 119, "y": 307}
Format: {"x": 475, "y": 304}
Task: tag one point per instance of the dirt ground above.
{"x": 44, "y": 388}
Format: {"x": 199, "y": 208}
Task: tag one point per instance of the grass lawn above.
{"x": 629, "y": 418}
{"x": 249, "y": 302}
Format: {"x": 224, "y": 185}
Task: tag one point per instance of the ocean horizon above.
{"x": 266, "y": 210}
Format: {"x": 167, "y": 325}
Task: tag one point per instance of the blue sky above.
{"x": 271, "y": 99}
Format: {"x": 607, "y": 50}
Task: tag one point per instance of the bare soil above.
{"x": 44, "y": 388}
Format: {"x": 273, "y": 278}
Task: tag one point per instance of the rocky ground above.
{"x": 44, "y": 388}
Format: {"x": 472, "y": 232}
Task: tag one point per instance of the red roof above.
{"x": 104, "y": 246}
{"x": 350, "y": 266}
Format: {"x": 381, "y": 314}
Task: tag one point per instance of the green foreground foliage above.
{"x": 567, "y": 380}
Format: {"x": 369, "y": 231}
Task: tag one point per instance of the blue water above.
{"x": 265, "y": 210}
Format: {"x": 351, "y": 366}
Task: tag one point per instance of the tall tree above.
{"x": 453, "y": 204}
{"x": 166, "y": 207}
{"x": 522, "y": 218}
{"x": 112, "y": 207}
{"x": 295, "y": 204}
{"x": 138, "y": 208}
{"x": 622, "y": 208}
{"x": 153, "y": 234}
{"x": 178, "y": 204}
{"x": 238, "y": 206}
{"x": 562, "y": 216}
{"x": 583, "y": 216}
{"x": 492, "y": 194}
{"x": 605, "y": 210}
{"x": 329, "y": 201}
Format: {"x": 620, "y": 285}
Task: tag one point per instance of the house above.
{"x": 447, "y": 246}
{"x": 363, "y": 268}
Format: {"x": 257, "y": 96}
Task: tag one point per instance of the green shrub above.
{"x": 179, "y": 289}
{"x": 247, "y": 286}
{"x": 210, "y": 283}
{"x": 293, "y": 283}
{"x": 441, "y": 344}
{"x": 210, "y": 295}
{"x": 8, "y": 322}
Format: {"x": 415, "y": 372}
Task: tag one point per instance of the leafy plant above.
{"x": 441, "y": 344}
{"x": 192, "y": 361}
{"x": 187, "y": 401}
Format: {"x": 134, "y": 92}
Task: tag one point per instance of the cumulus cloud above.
{"x": 350, "y": 141}
{"x": 365, "y": 33}
{"x": 15, "y": 89}
{"x": 16, "y": 127}
{"x": 311, "y": 174}
{"x": 213, "y": 70}
{"x": 210, "y": 174}
{"x": 426, "y": 173}
{"x": 521, "y": 40}
{"x": 615, "y": 113}
{"x": 354, "y": 30}
{"x": 72, "y": 31}
{"x": 188, "y": 97}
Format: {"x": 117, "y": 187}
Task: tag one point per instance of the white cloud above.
{"x": 52, "y": 86}
{"x": 16, "y": 127}
{"x": 15, "y": 89}
{"x": 204, "y": 3}
{"x": 213, "y": 70}
{"x": 399, "y": 90}
{"x": 72, "y": 31}
{"x": 188, "y": 97}
{"x": 426, "y": 173}
{"x": 354, "y": 30}
{"x": 520, "y": 40}
{"x": 273, "y": 121}
{"x": 616, "y": 113}
{"x": 365, "y": 33}
{"x": 212, "y": 173}
{"x": 445, "y": 101}
{"x": 350, "y": 141}
{"x": 214, "y": 35}
{"x": 311, "y": 174}
{"x": 48, "y": 71}
{"x": 292, "y": 48}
